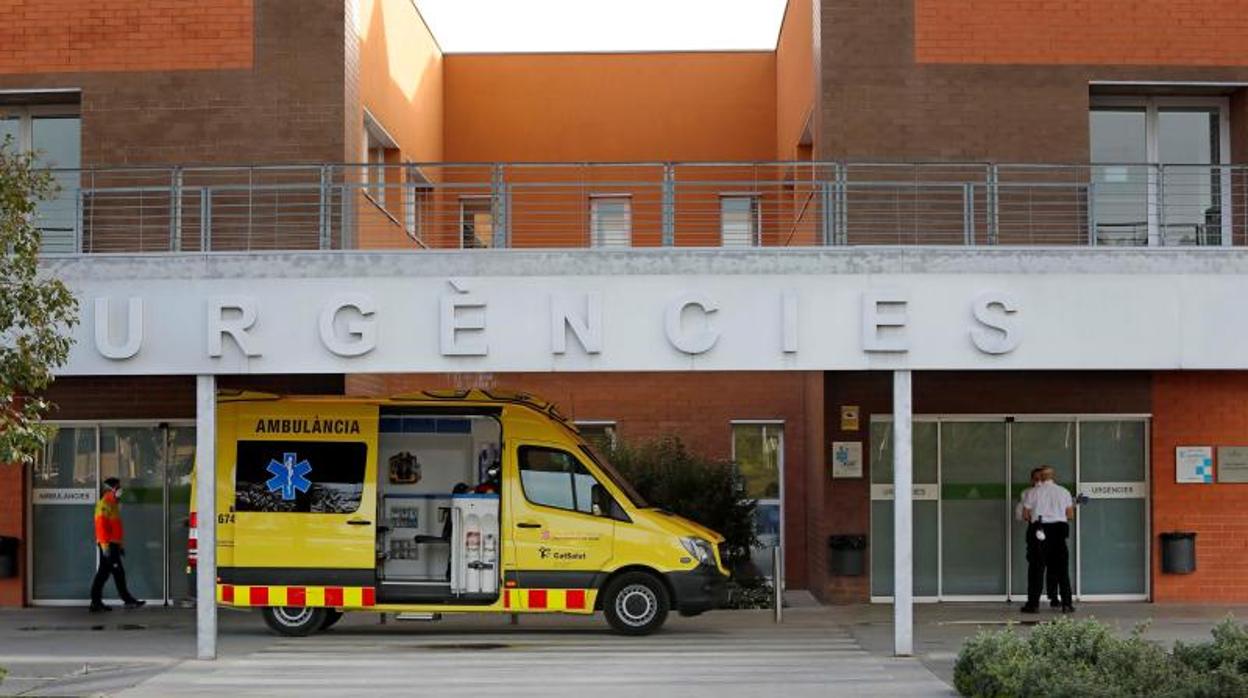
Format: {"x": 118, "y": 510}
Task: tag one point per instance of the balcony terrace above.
{"x": 640, "y": 205}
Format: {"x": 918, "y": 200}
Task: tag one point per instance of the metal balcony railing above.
{"x": 620, "y": 205}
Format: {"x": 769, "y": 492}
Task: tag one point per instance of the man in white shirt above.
{"x": 1049, "y": 507}
{"x": 1035, "y": 555}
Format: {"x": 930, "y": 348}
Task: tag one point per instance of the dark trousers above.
{"x": 1048, "y": 558}
{"x": 1035, "y": 556}
{"x": 110, "y": 564}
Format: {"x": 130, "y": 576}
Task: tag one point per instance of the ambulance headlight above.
{"x": 700, "y": 550}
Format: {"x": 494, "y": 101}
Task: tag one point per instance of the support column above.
{"x": 206, "y": 516}
{"x": 903, "y": 517}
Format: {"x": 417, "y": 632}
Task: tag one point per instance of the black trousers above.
{"x": 1049, "y": 559}
{"x": 110, "y": 565}
{"x": 1035, "y": 556}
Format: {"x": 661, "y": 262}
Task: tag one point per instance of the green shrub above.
{"x": 707, "y": 491}
{"x": 1086, "y": 658}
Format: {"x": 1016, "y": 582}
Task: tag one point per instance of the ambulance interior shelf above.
{"x": 422, "y": 541}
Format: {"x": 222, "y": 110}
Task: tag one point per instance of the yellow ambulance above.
{"x": 440, "y": 502}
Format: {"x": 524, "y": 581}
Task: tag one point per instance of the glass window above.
{"x": 64, "y": 491}
{"x": 476, "y": 219}
{"x": 610, "y": 221}
{"x": 54, "y": 134}
{"x": 739, "y": 221}
{"x": 758, "y": 449}
{"x": 318, "y": 477}
{"x": 600, "y": 435}
{"x": 556, "y": 479}
{"x": 9, "y": 131}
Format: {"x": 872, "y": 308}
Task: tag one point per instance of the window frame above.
{"x": 1153, "y": 106}
{"x": 463, "y": 219}
{"x": 779, "y": 426}
{"x": 611, "y": 424}
{"x": 520, "y": 461}
{"x": 596, "y": 238}
{"x": 755, "y": 217}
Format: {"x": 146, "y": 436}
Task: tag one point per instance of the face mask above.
{"x": 117, "y": 493}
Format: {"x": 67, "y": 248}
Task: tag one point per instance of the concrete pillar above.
{"x": 206, "y": 516}
{"x": 903, "y": 517}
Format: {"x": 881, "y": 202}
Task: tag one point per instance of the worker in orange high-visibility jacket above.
{"x": 108, "y": 543}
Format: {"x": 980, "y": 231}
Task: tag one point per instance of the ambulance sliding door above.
{"x": 305, "y": 487}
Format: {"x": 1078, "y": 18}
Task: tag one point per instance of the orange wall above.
{"x": 610, "y": 107}
{"x": 795, "y": 78}
{"x": 1195, "y": 408}
{"x": 51, "y": 36}
{"x": 401, "y": 76}
{"x": 1106, "y": 32}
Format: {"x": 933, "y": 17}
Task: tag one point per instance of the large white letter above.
{"x": 563, "y": 318}
{"x": 1003, "y": 334}
{"x": 690, "y": 343}
{"x": 788, "y": 322}
{"x": 451, "y": 324}
{"x": 874, "y": 321}
{"x": 236, "y": 327}
{"x": 134, "y": 330}
{"x": 363, "y": 330}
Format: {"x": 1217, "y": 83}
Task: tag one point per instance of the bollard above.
{"x": 777, "y": 583}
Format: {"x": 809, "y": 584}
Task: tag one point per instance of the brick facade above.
{"x": 47, "y": 36}
{"x": 880, "y": 102}
{"x": 1113, "y": 32}
{"x": 1194, "y": 408}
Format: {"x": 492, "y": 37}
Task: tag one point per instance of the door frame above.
{"x": 1007, "y": 419}
{"x": 780, "y": 468}
{"x": 32, "y": 533}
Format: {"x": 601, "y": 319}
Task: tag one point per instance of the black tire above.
{"x": 332, "y": 615}
{"x": 293, "y": 621}
{"x": 636, "y": 603}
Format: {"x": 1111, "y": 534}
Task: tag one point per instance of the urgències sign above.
{"x": 659, "y": 323}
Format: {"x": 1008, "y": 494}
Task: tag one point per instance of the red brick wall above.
{"x": 697, "y": 407}
{"x": 1193, "y": 408}
{"x": 1123, "y": 32}
{"x": 12, "y": 523}
{"x": 48, "y": 36}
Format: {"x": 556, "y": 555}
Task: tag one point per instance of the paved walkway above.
{"x": 722, "y": 654}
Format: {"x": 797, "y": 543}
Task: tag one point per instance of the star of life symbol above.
{"x": 289, "y": 474}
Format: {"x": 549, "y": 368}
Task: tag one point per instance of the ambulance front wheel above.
{"x": 636, "y": 603}
{"x": 293, "y": 621}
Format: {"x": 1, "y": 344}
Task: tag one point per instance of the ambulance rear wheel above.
{"x": 293, "y": 621}
{"x": 636, "y": 603}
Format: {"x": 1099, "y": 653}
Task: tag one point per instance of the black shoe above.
{"x": 1068, "y": 609}
{"x": 99, "y": 608}
{"x": 1054, "y": 603}
{"x": 1029, "y": 609}
{"x": 135, "y": 603}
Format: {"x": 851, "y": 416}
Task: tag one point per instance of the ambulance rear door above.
{"x": 305, "y": 492}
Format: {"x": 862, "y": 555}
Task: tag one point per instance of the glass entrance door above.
{"x": 153, "y": 462}
{"x": 969, "y": 474}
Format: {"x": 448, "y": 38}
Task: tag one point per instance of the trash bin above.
{"x": 8, "y": 557}
{"x": 847, "y": 555}
{"x": 1178, "y": 552}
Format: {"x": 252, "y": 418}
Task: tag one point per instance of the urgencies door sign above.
{"x": 637, "y": 323}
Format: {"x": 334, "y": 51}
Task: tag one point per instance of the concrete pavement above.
{"x": 817, "y": 651}
{"x": 724, "y": 654}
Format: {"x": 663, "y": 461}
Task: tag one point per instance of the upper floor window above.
{"x": 54, "y": 133}
{"x": 1159, "y": 170}
{"x": 599, "y": 434}
{"x": 476, "y": 221}
{"x": 610, "y": 219}
{"x": 740, "y": 220}
{"x": 380, "y": 150}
